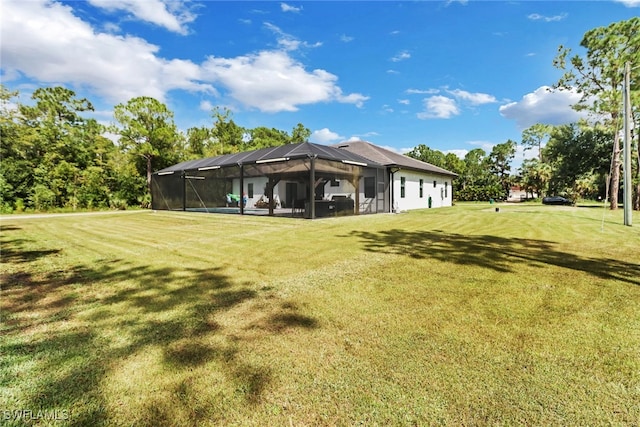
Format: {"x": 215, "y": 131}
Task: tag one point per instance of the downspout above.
{"x": 392, "y": 171}
{"x": 312, "y": 192}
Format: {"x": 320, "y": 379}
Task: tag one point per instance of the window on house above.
{"x": 434, "y": 183}
{"x": 369, "y": 187}
{"x": 421, "y": 189}
{"x": 402, "y": 182}
{"x": 250, "y": 190}
{"x": 446, "y": 189}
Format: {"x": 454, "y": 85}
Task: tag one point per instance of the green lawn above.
{"x": 453, "y": 316}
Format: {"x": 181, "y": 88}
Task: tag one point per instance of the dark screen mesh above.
{"x": 337, "y": 187}
{"x": 166, "y": 191}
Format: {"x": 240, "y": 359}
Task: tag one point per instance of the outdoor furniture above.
{"x": 298, "y": 207}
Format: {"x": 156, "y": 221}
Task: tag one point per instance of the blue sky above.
{"x": 453, "y": 75}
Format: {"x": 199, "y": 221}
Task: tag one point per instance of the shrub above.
{"x": 42, "y": 198}
{"x": 118, "y": 204}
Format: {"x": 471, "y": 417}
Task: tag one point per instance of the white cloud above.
{"x": 288, "y": 8}
{"x": 272, "y": 81}
{"x": 439, "y": 107}
{"x": 458, "y": 152}
{"x": 401, "y": 56}
{"x": 555, "y": 18}
{"x": 473, "y": 98}
{"x": 356, "y": 99}
{"x": 404, "y": 101}
{"x": 46, "y": 42}
{"x": 487, "y": 146}
{"x": 325, "y": 136}
{"x": 368, "y": 134}
{"x": 462, "y": 2}
{"x": 629, "y": 3}
{"x": 345, "y": 38}
{"x": 111, "y": 27}
{"x": 172, "y": 15}
{"x": 206, "y": 106}
{"x": 402, "y": 150}
{"x": 422, "y": 91}
{"x": 543, "y": 106}
{"x": 287, "y": 41}
{"x": 444, "y": 107}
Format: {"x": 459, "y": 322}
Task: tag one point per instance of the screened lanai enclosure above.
{"x": 304, "y": 180}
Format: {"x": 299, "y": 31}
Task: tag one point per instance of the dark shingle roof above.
{"x": 389, "y": 158}
{"x": 290, "y": 151}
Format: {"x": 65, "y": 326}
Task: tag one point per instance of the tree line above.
{"x": 580, "y": 159}
{"x": 572, "y": 160}
{"x": 54, "y": 157}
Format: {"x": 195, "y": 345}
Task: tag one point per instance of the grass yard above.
{"x": 455, "y": 316}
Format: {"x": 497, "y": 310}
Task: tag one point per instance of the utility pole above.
{"x": 628, "y": 186}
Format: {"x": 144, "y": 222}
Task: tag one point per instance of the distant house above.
{"x": 306, "y": 179}
{"x": 518, "y": 194}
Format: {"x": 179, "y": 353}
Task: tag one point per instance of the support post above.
{"x": 270, "y": 185}
{"x": 183, "y": 175}
{"x": 355, "y": 181}
{"x": 628, "y": 182}
{"x": 312, "y": 196}
{"x": 357, "y": 202}
{"x": 241, "y": 188}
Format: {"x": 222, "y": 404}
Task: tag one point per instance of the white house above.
{"x": 309, "y": 179}
{"x": 413, "y": 184}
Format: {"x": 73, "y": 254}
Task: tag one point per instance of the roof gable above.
{"x": 389, "y": 158}
{"x": 284, "y": 152}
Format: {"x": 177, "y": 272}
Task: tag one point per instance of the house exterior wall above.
{"x": 258, "y": 183}
{"x": 382, "y": 188}
{"x": 441, "y": 194}
{"x": 373, "y": 191}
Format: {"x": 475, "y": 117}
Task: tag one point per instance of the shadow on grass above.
{"x": 56, "y": 320}
{"x": 495, "y": 253}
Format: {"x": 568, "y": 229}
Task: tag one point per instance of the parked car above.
{"x": 556, "y": 200}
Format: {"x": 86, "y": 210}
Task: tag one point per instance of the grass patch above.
{"x": 448, "y": 316}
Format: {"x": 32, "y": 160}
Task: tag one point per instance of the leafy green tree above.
{"x": 47, "y": 147}
{"x": 426, "y": 154}
{"x": 147, "y": 131}
{"x": 454, "y": 163}
{"x": 577, "y": 153}
{"x": 535, "y": 136}
{"x": 535, "y": 176}
{"x": 262, "y": 137}
{"x": 126, "y": 184}
{"x": 14, "y": 175}
{"x": 477, "y": 182}
{"x": 226, "y": 133}
{"x": 598, "y": 77}
{"x": 199, "y": 143}
{"x": 500, "y": 160}
{"x": 300, "y": 134}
